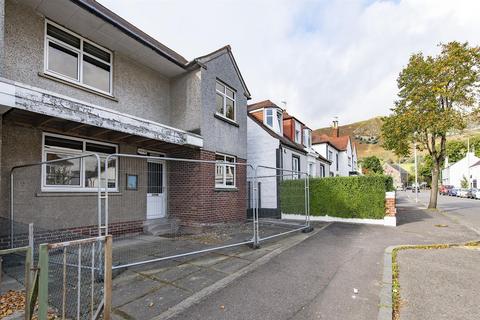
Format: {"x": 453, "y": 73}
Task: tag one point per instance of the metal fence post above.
{"x": 107, "y": 281}
{"x": 43, "y": 282}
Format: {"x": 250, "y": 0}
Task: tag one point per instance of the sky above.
{"x": 325, "y": 58}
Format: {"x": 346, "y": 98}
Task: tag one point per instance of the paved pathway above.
{"x": 439, "y": 284}
{"x": 316, "y": 279}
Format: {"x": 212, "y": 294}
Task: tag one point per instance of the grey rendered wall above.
{"x": 60, "y": 210}
{"x": 186, "y": 99}
{"x": 219, "y": 135}
{"x": 140, "y": 90}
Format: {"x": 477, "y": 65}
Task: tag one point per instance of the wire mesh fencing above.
{"x": 169, "y": 207}
{"x": 61, "y": 197}
{"x": 75, "y": 279}
{"x": 283, "y": 202}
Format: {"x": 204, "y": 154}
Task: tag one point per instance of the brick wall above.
{"x": 192, "y": 196}
{"x": 390, "y": 204}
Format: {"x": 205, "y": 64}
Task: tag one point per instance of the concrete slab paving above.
{"x": 231, "y": 265}
{"x": 176, "y": 273}
{"x": 199, "y": 279}
{"x": 439, "y": 284}
{"x": 154, "y": 303}
{"x": 132, "y": 289}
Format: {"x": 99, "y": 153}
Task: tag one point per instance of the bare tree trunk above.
{"x": 434, "y": 191}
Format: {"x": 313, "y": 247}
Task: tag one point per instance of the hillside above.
{"x": 367, "y": 136}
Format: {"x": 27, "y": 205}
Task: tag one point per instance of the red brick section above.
{"x": 192, "y": 196}
{"x": 390, "y": 206}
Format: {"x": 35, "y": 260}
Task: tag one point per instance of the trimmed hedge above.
{"x": 346, "y": 197}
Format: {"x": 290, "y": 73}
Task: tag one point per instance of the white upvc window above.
{"x": 330, "y": 155}
{"x": 322, "y": 170}
{"x": 75, "y": 59}
{"x": 274, "y": 119}
{"x": 298, "y": 132}
{"x": 296, "y": 167}
{"x": 307, "y": 138}
{"x": 225, "y": 100}
{"x": 225, "y": 171}
{"x": 349, "y": 161}
{"x": 311, "y": 170}
{"x": 80, "y": 174}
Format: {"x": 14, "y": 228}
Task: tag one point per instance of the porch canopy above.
{"x": 26, "y": 105}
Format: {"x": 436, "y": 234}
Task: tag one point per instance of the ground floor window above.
{"x": 225, "y": 171}
{"x": 80, "y": 174}
{"x": 296, "y": 166}
{"x": 322, "y": 171}
{"x": 311, "y": 170}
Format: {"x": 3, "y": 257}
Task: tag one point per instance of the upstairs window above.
{"x": 225, "y": 101}
{"x": 298, "y": 132}
{"x": 330, "y": 155}
{"x": 349, "y": 161}
{"x": 73, "y": 58}
{"x": 307, "y": 138}
{"x": 274, "y": 119}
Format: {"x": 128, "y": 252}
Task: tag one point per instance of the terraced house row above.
{"x": 79, "y": 79}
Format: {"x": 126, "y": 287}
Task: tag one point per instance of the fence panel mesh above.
{"x": 281, "y": 195}
{"x": 165, "y": 207}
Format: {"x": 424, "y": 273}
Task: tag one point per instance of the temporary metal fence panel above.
{"x": 167, "y": 208}
{"x": 75, "y": 279}
{"x": 60, "y": 196}
{"x": 16, "y": 292}
{"x": 281, "y": 191}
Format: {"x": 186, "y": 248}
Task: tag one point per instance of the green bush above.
{"x": 347, "y": 197}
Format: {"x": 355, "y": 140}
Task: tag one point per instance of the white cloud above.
{"x": 325, "y": 58}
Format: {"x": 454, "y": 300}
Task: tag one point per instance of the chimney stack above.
{"x": 335, "y": 129}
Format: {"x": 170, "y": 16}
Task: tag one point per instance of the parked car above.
{"x": 453, "y": 192}
{"x": 444, "y": 189}
{"x": 476, "y": 194}
{"x": 465, "y": 193}
{"x": 473, "y": 193}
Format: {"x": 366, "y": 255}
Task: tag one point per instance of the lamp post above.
{"x": 416, "y": 171}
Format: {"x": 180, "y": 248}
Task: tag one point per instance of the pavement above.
{"x": 161, "y": 289}
{"x": 318, "y": 278}
{"x": 464, "y": 211}
{"x": 439, "y": 283}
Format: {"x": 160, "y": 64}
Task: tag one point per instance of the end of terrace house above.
{"x": 76, "y": 78}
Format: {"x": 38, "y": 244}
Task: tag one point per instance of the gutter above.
{"x": 92, "y": 9}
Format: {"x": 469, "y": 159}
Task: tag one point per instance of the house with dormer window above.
{"x": 278, "y": 140}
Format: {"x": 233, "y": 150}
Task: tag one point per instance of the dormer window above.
{"x": 274, "y": 119}
{"x": 298, "y": 132}
{"x": 307, "y": 138}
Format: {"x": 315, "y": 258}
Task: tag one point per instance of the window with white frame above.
{"x": 336, "y": 161}
{"x": 349, "y": 161}
{"x": 307, "y": 138}
{"x": 274, "y": 119}
{"x": 75, "y": 59}
{"x": 330, "y": 155}
{"x": 225, "y": 101}
{"x": 296, "y": 166}
{"x": 311, "y": 170}
{"x": 80, "y": 174}
{"x": 322, "y": 170}
{"x": 224, "y": 171}
{"x": 298, "y": 132}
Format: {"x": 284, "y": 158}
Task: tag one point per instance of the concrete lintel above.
{"x": 24, "y": 97}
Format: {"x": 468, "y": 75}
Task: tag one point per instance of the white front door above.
{"x": 156, "y": 192}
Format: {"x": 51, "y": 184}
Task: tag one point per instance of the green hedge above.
{"x": 346, "y": 197}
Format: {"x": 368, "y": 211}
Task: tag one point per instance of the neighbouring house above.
{"x": 454, "y": 173}
{"x": 475, "y": 172}
{"x": 77, "y": 78}
{"x": 278, "y": 140}
{"x": 339, "y": 149}
{"x": 398, "y": 174}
